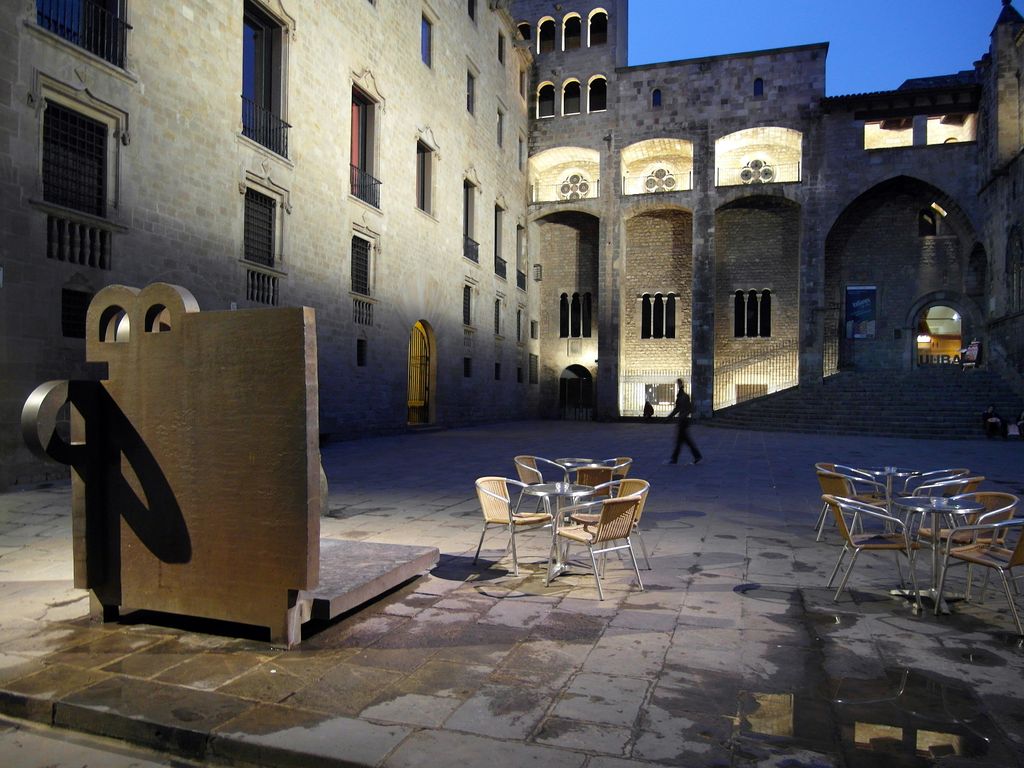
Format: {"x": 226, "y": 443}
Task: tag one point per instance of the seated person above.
{"x": 994, "y": 424}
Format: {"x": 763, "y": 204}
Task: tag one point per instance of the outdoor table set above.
{"x": 904, "y": 510}
{"x": 592, "y": 503}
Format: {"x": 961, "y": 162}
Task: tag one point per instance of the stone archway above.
{"x": 576, "y": 394}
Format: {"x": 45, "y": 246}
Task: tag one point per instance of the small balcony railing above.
{"x": 574, "y": 188}
{"x": 521, "y": 279}
{"x": 261, "y": 287}
{"x": 471, "y": 249}
{"x": 362, "y": 312}
{"x": 88, "y": 25}
{"x": 83, "y": 241}
{"x": 500, "y": 267}
{"x": 365, "y": 187}
{"x": 264, "y": 127}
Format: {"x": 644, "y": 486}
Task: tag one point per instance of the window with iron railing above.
{"x": 262, "y": 82}
{"x": 97, "y": 26}
{"x": 363, "y": 150}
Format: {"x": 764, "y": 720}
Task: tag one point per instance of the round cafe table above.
{"x": 886, "y": 475}
{"x": 557, "y": 491}
{"x": 950, "y": 509}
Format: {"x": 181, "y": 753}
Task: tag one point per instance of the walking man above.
{"x": 683, "y": 407}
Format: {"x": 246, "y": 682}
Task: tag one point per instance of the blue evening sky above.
{"x": 874, "y": 45}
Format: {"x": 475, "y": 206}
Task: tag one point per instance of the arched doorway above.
{"x": 939, "y": 336}
{"x": 421, "y": 374}
{"x": 576, "y": 394}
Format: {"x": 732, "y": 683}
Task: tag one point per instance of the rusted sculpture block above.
{"x": 195, "y": 460}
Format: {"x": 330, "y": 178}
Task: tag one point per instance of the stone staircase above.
{"x": 935, "y": 402}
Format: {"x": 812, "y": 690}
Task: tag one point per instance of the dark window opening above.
{"x": 97, "y": 26}
{"x": 526, "y": 30}
{"x": 573, "y": 33}
{"x": 575, "y": 316}
{"x": 599, "y": 29}
{"x": 467, "y": 367}
{"x": 501, "y": 48}
{"x": 470, "y": 92}
{"x": 74, "y": 160}
{"x": 656, "y": 97}
{"x": 467, "y": 305}
{"x": 497, "y": 317}
{"x": 471, "y": 9}
{"x": 262, "y": 121}
{"x": 534, "y": 366}
{"x": 758, "y": 87}
{"x": 260, "y": 218}
{"x": 658, "y": 316}
{"x": 361, "y": 353}
{"x": 927, "y": 223}
{"x": 571, "y": 99}
{"x": 563, "y": 316}
{"x": 364, "y": 185}
{"x": 752, "y": 314}
{"x": 765, "y": 314}
{"x": 546, "y": 36}
{"x": 598, "y": 100}
{"x": 423, "y": 176}
{"x": 546, "y": 101}
{"x": 497, "y": 371}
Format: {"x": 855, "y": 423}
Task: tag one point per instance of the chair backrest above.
{"x": 824, "y": 466}
{"x": 620, "y": 466}
{"x": 594, "y": 476}
{"x": 494, "y": 498}
{"x": 999, "y": 506}
{"x": 1017, "y": 556}
{"x": 933, "y": 476}
{"x": 952, "y": 487}
{"x": 526, "y": 468}
{"x": 834, "y": 484}
{"x": 845, "y": 506}
{"x": 617, "y": 517}
{"x": 634, "y": 486}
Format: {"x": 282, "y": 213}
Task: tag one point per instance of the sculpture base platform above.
{"x": 354, "y": 572}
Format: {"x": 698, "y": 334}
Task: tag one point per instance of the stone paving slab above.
{"x": 734, "y": 655}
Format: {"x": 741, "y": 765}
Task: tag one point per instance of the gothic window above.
{"x": 575, "y": 316}
{"x": 546, "y": 36}
{"x": 572, "y": 33}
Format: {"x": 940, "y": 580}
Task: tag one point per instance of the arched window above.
{"x": 572, "y": 33}
{"x": 597, "y": 98}
{"x": 752, "y": 314}
{"x": 571, "y": 98}
{"x": 656, "y": 97}
{"x": 546, "y": 100}
{"x": 546, "y": 36}
{"x": 739, "y": 316}
{"x": 658, "y": 316}
{"x": 563, "y": 316}
{"x": 575, "y": 314}
{"x": 598, "y": 28}
{"x": 525, "y": 30}
{"x": 758, "y": 87}
{"x": 586, "y": 315}
{"x": 765, "y": 314}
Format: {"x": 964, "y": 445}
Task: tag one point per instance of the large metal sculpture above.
{"x": 195, "y": 459}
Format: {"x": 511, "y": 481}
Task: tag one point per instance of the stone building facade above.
{"x": 743, "y": 231}
{"x": 494, "y": 215}
{"x": 270, "y": 152}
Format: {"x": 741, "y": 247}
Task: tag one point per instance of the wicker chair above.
{"x": 630, "y": 486}
{"x": 496, "y": 505}
{"x": 888, "y": 534}
{"x": 611, "y": 534}
{"x": 844, "y": 485}
{"x": 531, "y": 469}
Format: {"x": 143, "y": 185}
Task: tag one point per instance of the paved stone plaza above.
{"x": 734, "y": 655}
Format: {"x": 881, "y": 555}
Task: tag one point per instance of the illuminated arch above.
{"x": 572, "y": 96}
{"x": 572, "y": 31}
{"x": 597, "y": 94}
{"x": 657, "y": 165}
{"x": 546, "y": 34}
{"x": 770, "y": 154}
{"x": 565, "y": 173}
{"x": 597, "y": 27}
{"x": 545, "y": 99}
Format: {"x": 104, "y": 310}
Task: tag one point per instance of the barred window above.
{"x": 497, "y": 317}
{"x": 74, "y": 305}
{"x": 467, "y": 305}
{"x": 74, "y": 160}
{"x": 360, "y": 266}
{"x": 533, "y": 369}
{"x": 260, "y": 214}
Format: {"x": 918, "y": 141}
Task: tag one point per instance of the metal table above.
{"x": 557, "y": 491}
{"x": 939, "y": 507}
